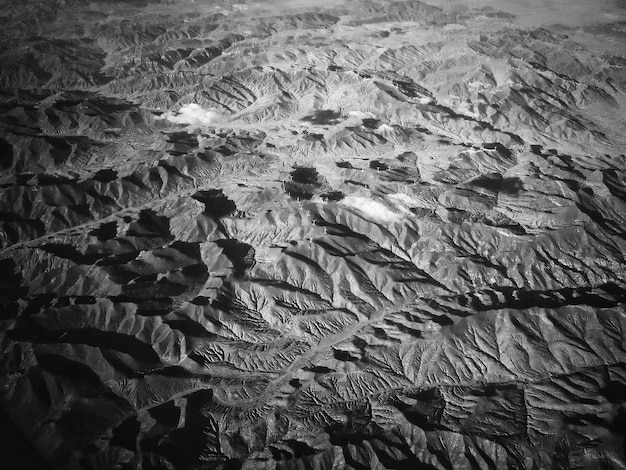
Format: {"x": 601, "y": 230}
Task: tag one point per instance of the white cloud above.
{"x": 371, "y": 209}
{"x": 194, "y": 115}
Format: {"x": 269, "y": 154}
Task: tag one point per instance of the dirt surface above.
{"x": 312, "y": 235}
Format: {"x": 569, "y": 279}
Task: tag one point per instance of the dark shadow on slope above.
{"x": 311, "y": 137}
{"x": 105, "y": 175}
{"x": 378, "y": 165}
{"x": 333, "y": 196}
{"x": 357, "y": 447}
{"x": 293, "y": 450}
{"x": 11, "y": 288}
{"x": 31, "y": 331}
{"x": 239, "y": 253}
{"x": 615, "y": 181}
{"x": 305, "y": 182}
{"x": 105, "y": 231}
{"x": 371, "y": 123}
{"x": 216, "y": 203}
{"x": 149, "y": 224}
{"x": 67, "y": 251}
{"x": 323, "y": 117}
{"x": 190, "y": 442}
{"x": 603, "y": 296}
{"x": 498, "y": 184}
{"x": 19, "y": 229}
{"x": 16, "y": 451}
{"x": 6, "y": 155}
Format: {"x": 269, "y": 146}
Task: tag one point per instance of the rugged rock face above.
{"x": 299, "y": 235}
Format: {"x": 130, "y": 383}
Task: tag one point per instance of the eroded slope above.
{"x": 391, "y": 235}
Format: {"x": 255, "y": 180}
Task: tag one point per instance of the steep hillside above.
{"x": 311, "y": 235}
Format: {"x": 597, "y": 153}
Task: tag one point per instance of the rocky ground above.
{"x": 312, "y": 235}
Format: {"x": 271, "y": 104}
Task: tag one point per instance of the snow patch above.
{"x": 194, "y": 115}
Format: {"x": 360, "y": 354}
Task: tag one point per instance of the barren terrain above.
{"x": 312, "y": 235}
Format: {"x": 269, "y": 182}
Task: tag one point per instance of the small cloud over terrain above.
{"x": 371, "y": 209}
{"x": 194, "y": 115}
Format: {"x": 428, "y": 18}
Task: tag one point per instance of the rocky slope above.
{"x": 300, "y": 235}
